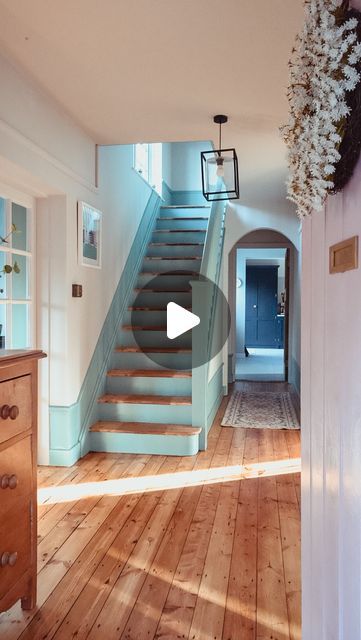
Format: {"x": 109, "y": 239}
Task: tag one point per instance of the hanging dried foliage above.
{"x": 324, "y": 74}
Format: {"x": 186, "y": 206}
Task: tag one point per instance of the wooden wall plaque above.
{"x": 344, "y": 255}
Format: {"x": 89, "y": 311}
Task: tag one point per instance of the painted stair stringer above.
{"x": 147, "y": 407}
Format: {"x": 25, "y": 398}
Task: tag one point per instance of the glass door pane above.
{"x": 2, "y": 217}
{"x": 19, "y": 277}
{"x": 16, "y": 276}
{"x": 2, "y": 326}
{"x": 20, "y": 236}
{"x": 20, "y": 325}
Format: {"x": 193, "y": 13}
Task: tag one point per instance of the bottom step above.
{"x": 144, "y": 437}
{"x": 150, "y": 428}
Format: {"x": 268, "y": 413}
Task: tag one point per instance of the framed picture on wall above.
{"x": 89, "y": 235}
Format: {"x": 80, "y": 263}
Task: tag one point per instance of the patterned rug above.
{"x": 266, "y": 410}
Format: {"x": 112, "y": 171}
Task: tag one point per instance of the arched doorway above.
{"x": 267, "y": 239}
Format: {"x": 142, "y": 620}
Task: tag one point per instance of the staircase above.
{"x": 147, "y": 405}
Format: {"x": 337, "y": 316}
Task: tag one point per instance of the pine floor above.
{"x": 138, "y": 547}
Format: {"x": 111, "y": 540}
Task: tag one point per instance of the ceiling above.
{"x": 157, "y": 70}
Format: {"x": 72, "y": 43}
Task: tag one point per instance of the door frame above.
{"x": 286, "y": 335}
{"x": 232, "y": 277}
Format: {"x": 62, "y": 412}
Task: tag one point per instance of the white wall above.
{"x": 122, "y": 197}
{"x": 167, "y": 163}
{"x": 331, "y": 425}
{"x": 186, "y": 165}
{"x": 43, "y": 153}
{"x": 33, "y": 122}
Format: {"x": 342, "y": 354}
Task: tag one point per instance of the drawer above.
{"x": 15, "y": 407}
{"x": 15, "y": 539}
{"x": 16, "y": 481}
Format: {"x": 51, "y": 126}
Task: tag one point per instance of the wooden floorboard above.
{"x": 241, "y": 603}
{"x": 219, "y": 559}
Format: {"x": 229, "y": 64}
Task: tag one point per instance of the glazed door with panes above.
{"x": 17, "y": 330}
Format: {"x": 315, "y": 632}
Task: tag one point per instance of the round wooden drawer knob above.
{"x": 13, "y": 481}
{"x": 8, "y": 482}
{"x": 4, "y": 559}
{"x": 5, "y": 411}
{"x": 14, "y": 412}
{"x": 9, "y": 412}
{"x": 8, "y": 559}
{"x": 4, "y": 481}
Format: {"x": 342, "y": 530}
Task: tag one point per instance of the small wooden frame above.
{"x": 344, "y": 255}
{"x": 89, "y": 235}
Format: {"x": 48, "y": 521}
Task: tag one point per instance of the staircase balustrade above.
{"x": 207, "y": 385}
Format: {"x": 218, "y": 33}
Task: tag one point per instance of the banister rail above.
{"x": 207, "y": 386}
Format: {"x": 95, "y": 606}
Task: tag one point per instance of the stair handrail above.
{"x": 212, "y": 260}
{"x": 204, "y": 303}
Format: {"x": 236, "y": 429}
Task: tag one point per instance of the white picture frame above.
{"x": 89, "y": 236}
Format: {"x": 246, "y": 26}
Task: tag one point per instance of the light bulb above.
{"x": 220, "y": 167}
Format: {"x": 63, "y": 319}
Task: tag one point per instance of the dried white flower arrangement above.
{"x": 323, "y": 68}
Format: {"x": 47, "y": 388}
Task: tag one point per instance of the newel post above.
{"x": 201, "y": 306}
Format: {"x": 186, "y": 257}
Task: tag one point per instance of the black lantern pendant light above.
{"x": 220, "y": 170}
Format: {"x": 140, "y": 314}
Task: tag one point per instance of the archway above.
{"x": 265, "y": 238}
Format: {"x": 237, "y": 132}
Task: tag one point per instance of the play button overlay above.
{"x": 179, "y": 320}
{"x": 169, "y": 321}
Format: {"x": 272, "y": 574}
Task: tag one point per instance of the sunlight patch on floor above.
{"x": 163, "y": 482}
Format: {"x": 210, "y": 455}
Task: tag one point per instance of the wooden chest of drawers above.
{"x": 18, "y": 500}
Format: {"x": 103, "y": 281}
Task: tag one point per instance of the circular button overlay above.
{"x": 196, "y": 301}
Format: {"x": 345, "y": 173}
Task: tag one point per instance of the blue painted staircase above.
{"x": 147, "y": 405}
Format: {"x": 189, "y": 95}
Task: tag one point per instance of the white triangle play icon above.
{"x": 179, "y": 320}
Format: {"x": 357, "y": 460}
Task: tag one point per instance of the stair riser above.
{"x": 154, "y": 339}
{"x": 175, "y": 251}
{"x": 171, "y": 265}
{"x": 181, "y": 224}
{"x": 148, "y": 444}
{"x": 146, "y": 413}
{"x": 190, "y": 236}
{"x": 150, "y": 386}
{"x": 161, "y": 299}
{"x": 183, "y": 212}
{"x": 142, "y": 361}
{"x": 178, "y": 282}
{"x": 144, "y": 318}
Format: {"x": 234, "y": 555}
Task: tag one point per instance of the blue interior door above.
{"x": 261, "y": 306}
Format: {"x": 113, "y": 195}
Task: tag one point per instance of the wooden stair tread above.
{"x": 183, "y": 218}
{"x": 169, "y": 273}
{"x": 179, "y": 230}
{"x": 136, "y": 349}
{"x": 153, "y": 308}
{"x": 145, "y": 428}
{"x": 173, "y": 258}
{"x": 148, "y": 373}
{"x": 150, "y": 327}
{"x": 132, "y": 398}
{"x": 185, "y": 206}
{"x": 163, "y": 290}
{"x": 176, "y": 244}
